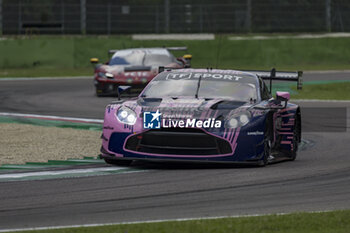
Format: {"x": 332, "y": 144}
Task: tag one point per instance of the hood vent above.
{"x": 150, "y": 102}
{"x": 227, "y": 104}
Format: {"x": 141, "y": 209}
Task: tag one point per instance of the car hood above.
{"x": 117, "y": 69}
{"x": 128, "y": 70}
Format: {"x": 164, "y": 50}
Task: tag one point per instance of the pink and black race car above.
{"x": 134, "y": 68}
{"x": 198, "y": 115}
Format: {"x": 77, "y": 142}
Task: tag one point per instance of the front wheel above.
{"x": 118, "y": 162}
{"x": 267, "y": 148}
{"x": 296, "y": 140}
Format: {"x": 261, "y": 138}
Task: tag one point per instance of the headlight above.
{"x": 243, "y": 119}
{"x": 109, "y": 75}
{"x": 126, "y": 115}
{"x": 233, "y": 123}
{"x": 105, "y": 75}
{"x": 238, "y": 120}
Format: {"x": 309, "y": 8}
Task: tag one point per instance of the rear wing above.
{"x": 279, "y": 76}
{"x": 184, "y": 48}
{"x": 176, "y": 48}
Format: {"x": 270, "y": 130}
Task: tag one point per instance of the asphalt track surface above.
{"x": 318, "y": 180}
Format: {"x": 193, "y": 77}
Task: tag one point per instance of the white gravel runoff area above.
{"x": 21, "y": 143}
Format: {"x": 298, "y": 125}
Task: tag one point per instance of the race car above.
{"x": 134, "y": 68}
{"x": 205, "y": 115}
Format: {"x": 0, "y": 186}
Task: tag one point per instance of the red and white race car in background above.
{"x": 134, "y": 68}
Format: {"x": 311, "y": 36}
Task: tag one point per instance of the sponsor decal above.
{"x": 213, "y": 76}
{"x": 192, "y": 123}
{"x": 136, "y": 74}
{"x": 177, "y": 115}
{"x": 153, "y": 120}
{"x": 255, "y": 133}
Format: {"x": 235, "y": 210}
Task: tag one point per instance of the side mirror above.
{"x": 282, "y": 95}
{"x": 282, "y": 99}
{"x": 188, "y": 58}
{"x": 122, "y": 89}
{"x": 94, "y": 60}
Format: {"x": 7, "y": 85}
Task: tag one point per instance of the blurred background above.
{"x": 166, "y": 16}
{"x": 58, "y": 37}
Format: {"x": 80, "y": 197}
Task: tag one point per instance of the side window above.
{"x": 264, "y": 91}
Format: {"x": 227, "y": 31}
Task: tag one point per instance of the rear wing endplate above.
{"x": 279, "y": 76}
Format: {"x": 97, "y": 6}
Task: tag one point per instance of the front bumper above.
{"x": 111, "y": 87}
{"x": 176, "y": 141}
{"x": 191, "y": 161}
{"x": 176, "y": 144}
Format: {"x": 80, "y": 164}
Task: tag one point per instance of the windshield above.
{"x": 242, "y": 91}
{"x": 134, "y": 57}
{"x": 158, "y": 59}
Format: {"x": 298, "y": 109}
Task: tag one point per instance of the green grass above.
{"x": 69, "y": 55}
{"x": 335, "y": 91}
{"x": 332, "y": 222}
{"x": 46, "y": 72}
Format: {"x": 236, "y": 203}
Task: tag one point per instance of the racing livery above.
{"x": 204, "y": 115}
{"x": 134, "y": 68}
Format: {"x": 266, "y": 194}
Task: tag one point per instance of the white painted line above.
{"x": 151, "y": 221}
{"x": 43, "y": 78}
{"x": 319, "y": 100}
{"x": 46, "y": 117}
{"x": 203, "y": 36}
{"x": 62, "y": 172}
{"x": 301, "y": 36}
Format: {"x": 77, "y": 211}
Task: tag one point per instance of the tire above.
{"x": 267, "y": 147}
{"x": 98, "y": 93}
{"x": 296, "y": 140}
{"x": 118, "y": 162}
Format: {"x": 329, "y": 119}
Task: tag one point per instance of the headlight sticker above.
{"x": 126, "y": 115}
{"x": 238, "y": 120}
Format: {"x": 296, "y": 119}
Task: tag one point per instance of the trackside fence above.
{"x": 170, "y": 16}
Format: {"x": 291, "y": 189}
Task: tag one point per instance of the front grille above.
{"x": 179, "y": 141}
